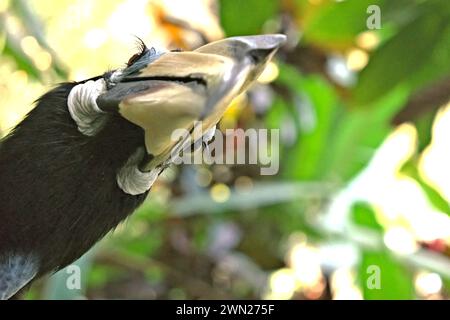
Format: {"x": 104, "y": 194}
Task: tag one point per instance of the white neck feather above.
{"x": 132, "y": 180}
{"x": 83, "y": 107}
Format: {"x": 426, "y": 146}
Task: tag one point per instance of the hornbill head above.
{"x": 86, "y": 156}
{"x": 162, "y": 92}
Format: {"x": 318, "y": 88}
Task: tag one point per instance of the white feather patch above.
{"x": 15, "y": 272}
{"x": 132, "y": 180}
{"x": 83, "y": 107}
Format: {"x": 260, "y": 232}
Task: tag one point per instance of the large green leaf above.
{"x": 339, "y": 22}
{"x": 438, "y": 64}
{"x": 306, "y": 159}
{"x": 246, "y": 17}
{"x": 401, "y": 57}
{"x": 343, "y": 140}
{"x": 357, "y": 134}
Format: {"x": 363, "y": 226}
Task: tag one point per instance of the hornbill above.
{"x": 86, "y": 156}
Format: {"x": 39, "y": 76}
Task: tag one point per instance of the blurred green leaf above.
{"x": 343, "y": 140}
{"x": 363, "y": 215}
{"x": 246, "y": 17}
{"x": 35, "y": 28}
{"x": 357, "y": 134}
{"x": 150, "y": 211}
{"x": 438, "y": 64}
{"x": 275, "y": 116}
{"x": 339, "y": 22}
{"x": 400, "y": 57}
{"x": 144, "y": 246}
{"x": 13, "y": 50}
{"x": 435, "y": 198}
{"x": 396, "y": 282}
{"x": 154, "y": 274}
{"x": 306, "y": 159}
{"x": 446, "y": 285}
{"x": 424, "y": 126}
{"x": 102, "y": 274}
{"x": 143, "y": 234}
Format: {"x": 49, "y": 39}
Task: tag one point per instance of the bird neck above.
{"x": 54, "y": 176}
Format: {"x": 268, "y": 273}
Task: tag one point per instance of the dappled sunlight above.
{"x": 434, "y": 162}
{"x": 399, "y": 200}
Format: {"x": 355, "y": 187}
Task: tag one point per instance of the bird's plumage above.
{"x": 58, "y": 194}
{"x": 64, "y": 185}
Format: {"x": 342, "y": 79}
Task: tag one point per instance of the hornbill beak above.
{"x": 175, "y": 90}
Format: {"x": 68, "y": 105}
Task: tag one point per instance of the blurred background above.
{"x": 364, "y": 182}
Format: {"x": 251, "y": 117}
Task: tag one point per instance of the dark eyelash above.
{"x": 141, "y": 46}
{"x": 142, "y": 51}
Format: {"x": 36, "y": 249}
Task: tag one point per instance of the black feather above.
{"x": 58, "y": 191}
{"x": 142, "y": 51}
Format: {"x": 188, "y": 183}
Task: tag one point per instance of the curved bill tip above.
{"x": 265, "y": 41}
